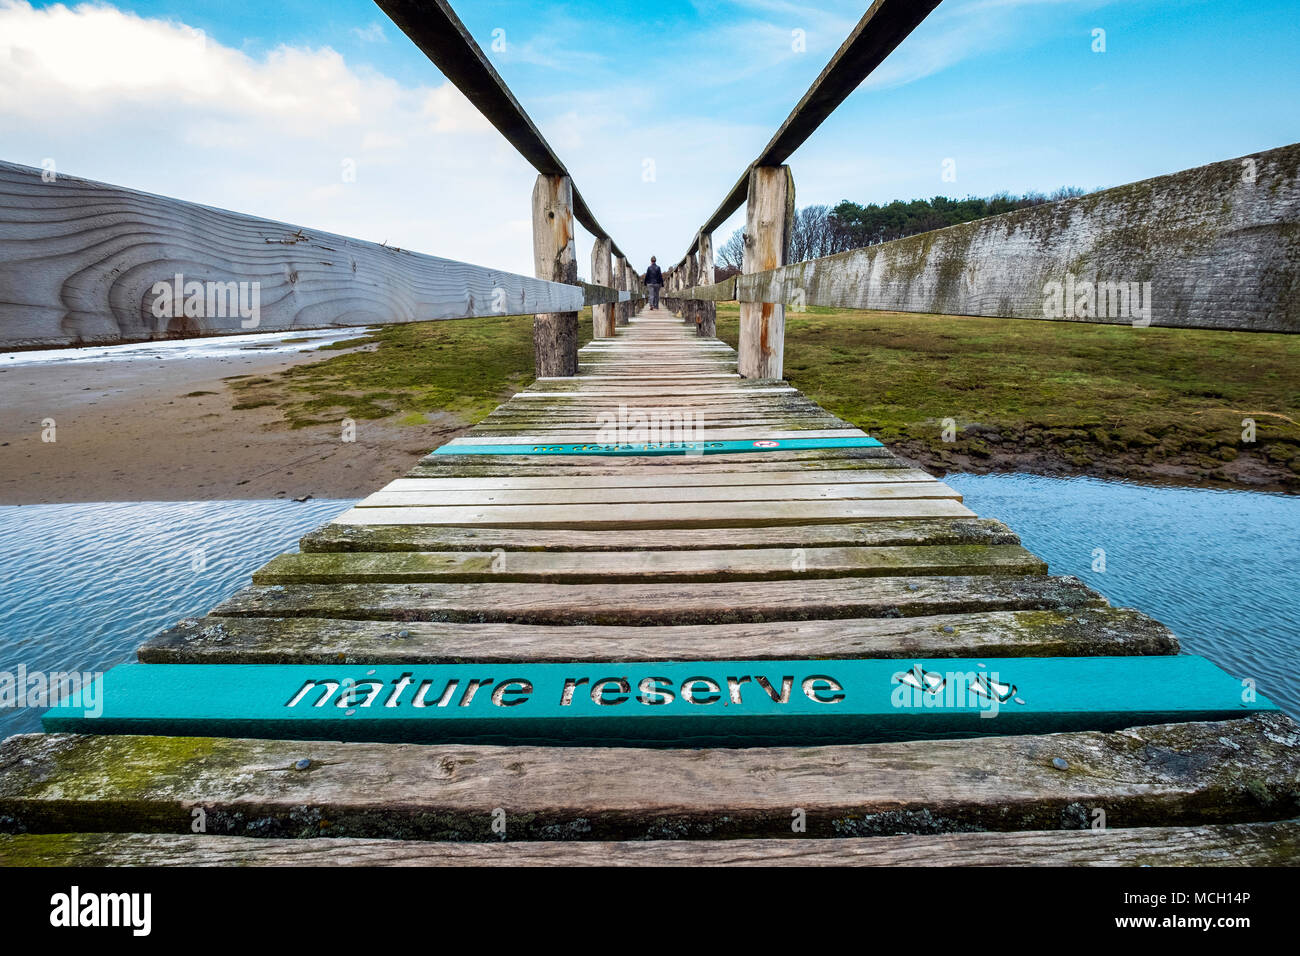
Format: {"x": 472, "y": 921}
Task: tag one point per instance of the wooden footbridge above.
{"x": 658, "y": 607}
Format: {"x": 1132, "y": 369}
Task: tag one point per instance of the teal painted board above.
{"x": 699, "y": 703}
{"x": 661, "y": 448}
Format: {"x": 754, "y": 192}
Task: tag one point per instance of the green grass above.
{"x": 1093, "y": 398}
{"x": 1081, "y": 392}
{"x": 464, "y": 367}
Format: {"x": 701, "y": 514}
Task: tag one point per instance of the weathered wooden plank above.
{"x": 593, "y": 493}
{"x": 593, "y": 567}
{"x": 912, "y": 532}
{"x": 656, "y": 603}
{"x": 702, "y": 425}
{"x": 83, "y": 262}
{"x": 691, "y": 479}
{"x": 704, "y": 434}
{"x": 660, "y": 515}
{"x": 1236, "y": 771}
{"x": 1079, "y": 632}
{"x": 1235, "y": 845}
{"x": 811, "y": 458}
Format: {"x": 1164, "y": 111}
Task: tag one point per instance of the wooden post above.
{"x": 602, "y": 273}
{"x": 690, "y": 307}
{"x": 708, "y": 324}
{"x": 769, "y": 219}
{"x": 623, "y": 310}
{"x": 555, "y": 334}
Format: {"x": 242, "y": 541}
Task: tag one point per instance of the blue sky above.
{"x": 268, "y": 105}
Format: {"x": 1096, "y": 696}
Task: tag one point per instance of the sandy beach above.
{"x": 150, "y": 425}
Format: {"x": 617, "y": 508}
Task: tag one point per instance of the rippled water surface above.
{"x": 1220, "y": 568}
{"x": 85, "y": 584}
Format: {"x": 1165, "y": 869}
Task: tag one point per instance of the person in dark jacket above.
{"x": 654, "y": 279}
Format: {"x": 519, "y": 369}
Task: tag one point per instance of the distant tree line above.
{"x": 824, "y": 230}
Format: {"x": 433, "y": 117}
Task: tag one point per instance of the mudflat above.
{"x": 147, "y": 425}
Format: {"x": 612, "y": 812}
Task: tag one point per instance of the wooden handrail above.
{"x": 83, "y": 262}
{"x": 438, "y": 32}
{"x": 882, "y": 28}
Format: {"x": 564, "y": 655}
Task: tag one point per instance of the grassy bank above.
{"x": 1054, "y": 397}
{"x": 463, "y": 368}
{"x": 1045, "y": 397}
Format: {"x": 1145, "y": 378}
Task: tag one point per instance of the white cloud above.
{"x": 156, "y": 105}
{"x": 374, "y": 33}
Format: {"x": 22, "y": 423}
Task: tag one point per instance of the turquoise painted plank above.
{"x": 661, "y": 448}
{"x": 701, "y": 703}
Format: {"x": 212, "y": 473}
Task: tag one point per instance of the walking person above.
{"x": 654, "y": 278}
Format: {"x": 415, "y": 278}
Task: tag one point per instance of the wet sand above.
{"x": 130, "y": 429}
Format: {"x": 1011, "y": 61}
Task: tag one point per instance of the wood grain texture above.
{"x": 620, "y": 603}
{"x": 1079, "y": 632}
{"x": 1235, "y": 845}
{"x": 708, "y": 326}
{"x": 594, "y": 567}
{"x": 946, "y": 531}
{"x": 769, "y": 219}
{"x": 598, "y": 493}
{"x": 1237, "y": 771}
{"x": 555, "y": 334}
{"x": 79, "y": 261}
{"x": 602, "y": 273}
{"x": 730, "y": 514}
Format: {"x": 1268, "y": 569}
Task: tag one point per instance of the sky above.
{"x": 321, "y": 113}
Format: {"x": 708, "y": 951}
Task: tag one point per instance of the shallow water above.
{"x": 1220, "y": 568}
{"x": 85, "y": 584}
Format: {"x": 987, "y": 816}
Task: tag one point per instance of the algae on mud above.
{"x": 463, "y": 368}
{"x": 1023, "y": 395}
{"x": 1054, "y": 397}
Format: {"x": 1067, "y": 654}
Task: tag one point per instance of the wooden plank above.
{"x": 1080, "y": 632}
{"x": 658, "y": 515}
{"x": 593, "y": 493}
{"x": 691, "y": 479}
{"x": 463, "y": 465}
{"x": 1234, "y": 845}
{"x": 1236, "y": 771}
{"x": 83, "y": 262}
{"x": 910, "y": 532}
{"x": 705, "y": 434}
{"x": 619, "y": 603}
{"x": 593, "y": 567}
